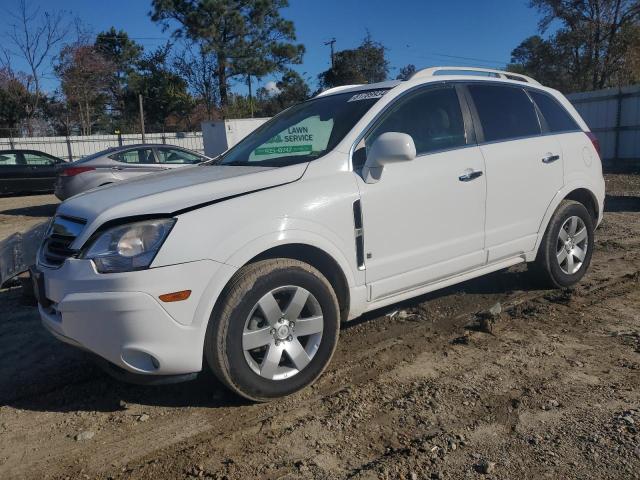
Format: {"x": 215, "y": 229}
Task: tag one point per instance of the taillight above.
{"x": 595, "y": 141}
{"x": 73, "y": 171}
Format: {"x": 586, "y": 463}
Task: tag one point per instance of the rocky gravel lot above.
{"x": 546, "y": 386}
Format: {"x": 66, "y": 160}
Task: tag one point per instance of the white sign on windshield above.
{"x": 304, "y": 138}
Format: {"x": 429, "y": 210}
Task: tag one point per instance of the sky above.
{"x": 422, "y": 32}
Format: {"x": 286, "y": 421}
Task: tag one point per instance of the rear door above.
{"x": 14, "y": 174}
{"x": 134, "y": 163}
{"x": 523, "y": 167}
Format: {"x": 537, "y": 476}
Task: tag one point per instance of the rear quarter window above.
{"x": 505, "y": 112}
{"x": 557, "y": 118}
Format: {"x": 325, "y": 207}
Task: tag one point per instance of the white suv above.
{"x": 361, "y": 197}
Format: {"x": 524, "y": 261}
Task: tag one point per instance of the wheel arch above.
{"x": 581, "y": 193}
{"x": 586, "y": 198}
{"x": 319, "y": 259}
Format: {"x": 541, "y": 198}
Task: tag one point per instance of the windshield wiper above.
{"x": 237, "y": 163}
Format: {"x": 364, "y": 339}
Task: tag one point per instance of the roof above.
{"x": 142, "y": 145}
{"x": 465, "y": 72}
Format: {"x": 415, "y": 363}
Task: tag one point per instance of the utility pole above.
{"x": 141, "y": 117}
{"x": 331, "y": 43}
{"x": 250, "y": 95}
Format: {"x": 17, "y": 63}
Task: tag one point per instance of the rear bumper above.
{"x": 120, "y": 318}
{"x": 62, "y": 189}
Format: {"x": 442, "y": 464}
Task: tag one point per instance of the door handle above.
{"x": 550, "y": 158}
{"x": 469, "y": 175}
{"x": 117, "y": 168}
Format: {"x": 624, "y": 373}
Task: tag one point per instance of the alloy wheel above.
{"x": 283, "y": 332}
{"x": 572, "y": 245}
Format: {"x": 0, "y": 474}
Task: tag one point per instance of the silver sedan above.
{"x": 120, "y": 163}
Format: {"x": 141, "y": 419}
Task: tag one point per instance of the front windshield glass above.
{"x": 303, "y": 132}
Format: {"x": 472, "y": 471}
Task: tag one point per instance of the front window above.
{"x": 176, "y": 156}
{"x": 304, "y": 132}
{"x": 432, "y": 117}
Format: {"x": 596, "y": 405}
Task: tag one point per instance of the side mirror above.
{"x": 389, "y": 147}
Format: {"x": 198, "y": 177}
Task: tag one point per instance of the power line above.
{"x": 332, "y": 43}
{"x": 430, "y": 55}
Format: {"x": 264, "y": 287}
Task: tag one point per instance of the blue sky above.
{"x": 421, "y": 32}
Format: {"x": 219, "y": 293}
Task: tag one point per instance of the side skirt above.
{"x": 383, "y": 302}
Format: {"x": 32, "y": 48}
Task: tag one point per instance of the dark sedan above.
{"x": 27, "y": 171}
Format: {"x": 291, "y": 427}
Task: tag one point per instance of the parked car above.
{"x": 121, "y": 163}
{"x": 359, "y": 198}
{"x": 27, "y": 171}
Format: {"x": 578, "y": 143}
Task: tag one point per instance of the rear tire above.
{"x": 274, "y": 331}
{"x": 567, "y": 246}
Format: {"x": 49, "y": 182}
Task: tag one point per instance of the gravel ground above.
{"x": 548, "y": 389}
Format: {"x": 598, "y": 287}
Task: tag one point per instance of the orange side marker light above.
{"x": 175, "y": 296}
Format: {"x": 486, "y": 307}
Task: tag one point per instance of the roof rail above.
{"x": 473, "y": 71}
{"x": 337, "y": 89}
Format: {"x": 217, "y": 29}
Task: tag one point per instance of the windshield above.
{"x": 303, "y": 132}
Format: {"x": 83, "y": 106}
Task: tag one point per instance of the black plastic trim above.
{"x": 359, "y": 234}
{"x": 123, "y": 375}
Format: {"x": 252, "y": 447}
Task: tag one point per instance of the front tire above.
{"x": 567, "y": 246}
{"x": 275, "y": 330}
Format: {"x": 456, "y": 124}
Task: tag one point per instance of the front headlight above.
{"x": 128, "y": 247}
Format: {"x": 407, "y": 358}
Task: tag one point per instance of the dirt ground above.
{"x": 18, "y": 214}
{"x": 415, "y": 391}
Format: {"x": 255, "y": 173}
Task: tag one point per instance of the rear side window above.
{"x": 557, "y": 118}
{"x": 139, "y": 155}
{"x": 505, "y": 112}
{"x": 432, "y": 118}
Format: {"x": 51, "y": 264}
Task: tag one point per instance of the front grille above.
{"x": 57, "y": 244}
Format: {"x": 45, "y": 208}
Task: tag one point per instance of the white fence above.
{"x": 73, "y": 148}
{"x": 614, "y": 116}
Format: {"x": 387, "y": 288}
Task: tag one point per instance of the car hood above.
{"x": 173, "y": 191}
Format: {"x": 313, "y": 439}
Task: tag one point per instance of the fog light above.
{"x": 175, "y": 296}
{"x": 142, "y": 361}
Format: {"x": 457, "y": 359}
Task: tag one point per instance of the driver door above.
{"x": 424, "y": 219}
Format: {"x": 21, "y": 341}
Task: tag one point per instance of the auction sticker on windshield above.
{"x": 367, "y": 95}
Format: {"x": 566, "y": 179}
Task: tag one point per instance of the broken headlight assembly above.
{"x": 130, "y": 247}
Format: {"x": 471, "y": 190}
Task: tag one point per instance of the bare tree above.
{"x": 594, "y": 37}
{"x": 35, "y": 34}
{"x": 84, "y": 77}
{"x": 199, "y": 69}
{"x": 5, "y": 60}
